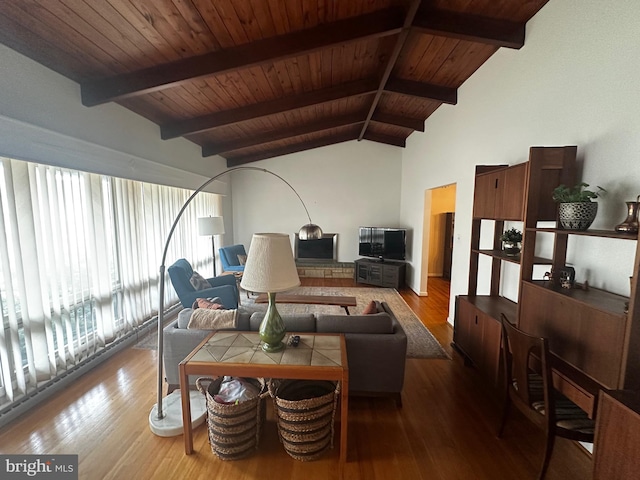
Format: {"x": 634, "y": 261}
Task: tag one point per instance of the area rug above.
{"x": 420, "y": 341}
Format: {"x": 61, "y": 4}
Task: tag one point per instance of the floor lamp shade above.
{"x": 270, "y": 268}
{"x": 210, "y": 226}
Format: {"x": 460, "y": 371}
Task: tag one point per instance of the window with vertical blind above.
{"x": 79, "y": 265}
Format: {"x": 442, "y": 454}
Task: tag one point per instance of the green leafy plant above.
{"x": 577, "y": 193}
{"x": 512, "y": 235}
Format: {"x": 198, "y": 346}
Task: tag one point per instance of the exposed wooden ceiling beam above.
{"x": 298, "y": 147}
{"x": 393, "y": 58}
{"x": 377, "y": 24}
{"x": 242, "y": 114}
{"x": 388, "y": 139}
{"x": 399, "y": 121}
{"x": 474, "y": 28}
{"x": 318, "y": 126}
{"x": 423, "y": 90}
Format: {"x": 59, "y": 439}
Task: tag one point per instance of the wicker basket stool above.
{"x": 234, "y": 429}
{"x": 305, "y": 411}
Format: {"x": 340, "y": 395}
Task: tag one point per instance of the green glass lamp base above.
{"x": 272, "y": 329}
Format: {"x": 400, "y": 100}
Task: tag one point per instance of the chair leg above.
{"x": 548, "y": 450}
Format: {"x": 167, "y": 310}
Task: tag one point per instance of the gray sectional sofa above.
{"x": 376, "y": 346}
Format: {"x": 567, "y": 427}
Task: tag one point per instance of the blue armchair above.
{"x": 229, "y": 258}
{"x": 224, "y": 286}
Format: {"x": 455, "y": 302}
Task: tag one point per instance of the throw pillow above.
{"x": 206, "y": 303}
{"x": 370, "y": 308}
{"x": 198, "y": 282}
{"x": 242, "y": 259}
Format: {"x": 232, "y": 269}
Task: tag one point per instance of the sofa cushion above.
{"x": 373, "y": 323}
{"x": 183, "y": 317}
{"x": 294, "y": 323}
{"x": 198, "y": 282}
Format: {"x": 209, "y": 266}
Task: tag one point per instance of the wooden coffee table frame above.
{"x": 302, "y": 372}
{"x": 344, "y": 302}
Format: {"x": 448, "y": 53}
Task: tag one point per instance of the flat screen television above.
{"x": 382, "y": 242}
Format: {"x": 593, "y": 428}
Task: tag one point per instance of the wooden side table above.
{"x": 317, "y": 357}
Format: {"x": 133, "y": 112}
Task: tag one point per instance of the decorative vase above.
{"x": 577, "y": 215}
{"x": 630, "y": 225}
{"x": 272, "y": 329}
{"x": 511, "y": 249}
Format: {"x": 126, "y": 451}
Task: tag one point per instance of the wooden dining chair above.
{"x": 529, "y": 386}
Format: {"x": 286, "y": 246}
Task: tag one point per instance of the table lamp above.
{"x": 270, "y": 269}
{"x": 211, "y": 226}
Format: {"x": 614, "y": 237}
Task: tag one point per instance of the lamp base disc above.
{"x": 171, "y": 424}
{"x": 272, "y": 347}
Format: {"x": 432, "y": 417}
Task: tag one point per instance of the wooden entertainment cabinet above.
{"x": 595, "y": 345}
{"x": 387, "y": 273}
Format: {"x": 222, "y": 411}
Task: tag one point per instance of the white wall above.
{"x": 575, "y": 82}
{"x": 38, "y": 106}
{"x": 344, "y": 186}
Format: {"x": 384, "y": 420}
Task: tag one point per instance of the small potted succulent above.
{"x": 576, "y": 211}
{"x": 511, "y": 241}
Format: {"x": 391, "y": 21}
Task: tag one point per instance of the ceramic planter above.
{"x": 577, "y": 215}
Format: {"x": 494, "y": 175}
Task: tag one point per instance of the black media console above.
{"x": 387, "y": 273}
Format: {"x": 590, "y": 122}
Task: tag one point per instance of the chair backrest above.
{"x": 520, "y": 353}
{"x": 180, "y": 273}
{"x": 229, "y": 255}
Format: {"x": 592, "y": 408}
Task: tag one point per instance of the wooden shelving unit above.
{"x": 594, "y": 335}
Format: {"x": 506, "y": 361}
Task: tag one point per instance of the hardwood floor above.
{"x": 445, "y": 429}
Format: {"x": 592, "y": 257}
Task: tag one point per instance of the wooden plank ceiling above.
{"x": 253, "y": 79}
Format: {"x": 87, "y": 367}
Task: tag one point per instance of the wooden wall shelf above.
{"x": 511, "y": 258}
{"x": 587, "y": 233}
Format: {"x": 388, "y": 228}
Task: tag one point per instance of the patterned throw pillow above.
{"x": 242, "y": 259}
{"x": 199, "y": 282}
{"x": 207, "y": 303}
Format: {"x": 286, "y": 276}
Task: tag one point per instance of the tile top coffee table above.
{"x": 341, "y": 301}
{"x": 317, "y": 357}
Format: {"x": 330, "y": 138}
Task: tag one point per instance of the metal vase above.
{"x": 630, "y": 225}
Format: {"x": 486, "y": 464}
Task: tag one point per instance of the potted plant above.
{"x": 576, "y": 211}
{"x": 511, "y": 241}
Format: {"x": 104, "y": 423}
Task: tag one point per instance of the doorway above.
{"x": 437, "y": 241}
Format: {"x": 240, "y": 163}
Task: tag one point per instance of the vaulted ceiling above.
{"x": 254, "y": 79}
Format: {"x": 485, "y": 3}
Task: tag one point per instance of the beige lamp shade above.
{"x": 270, "y": 266}
{"x": 210, "y": 226}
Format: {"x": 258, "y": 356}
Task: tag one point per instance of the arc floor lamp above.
{"x": 165, "y": 418}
